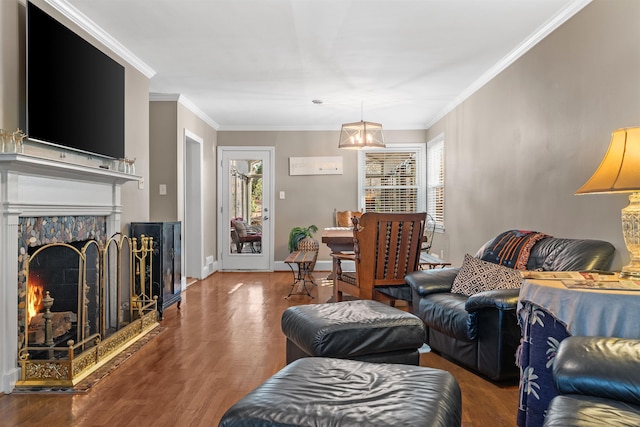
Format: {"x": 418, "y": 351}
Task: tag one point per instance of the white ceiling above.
{"x": 258, "y": 64}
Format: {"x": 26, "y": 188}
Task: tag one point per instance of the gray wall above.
{"x": 12, "y": 99}
{"x": 309, "y": 199}
{"x": 517, "y": 150}
{"x": 189, "y": 121}
{"x": 168, "y": 122}
{"x": 163, "y": 135}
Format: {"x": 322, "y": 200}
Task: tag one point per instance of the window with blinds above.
{"x": 392, "y": 179}
{"x": 435, "y": 180}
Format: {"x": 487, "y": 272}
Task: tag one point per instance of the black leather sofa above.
{"x": 481, "y": 332}
{"x": 599, "y": 383}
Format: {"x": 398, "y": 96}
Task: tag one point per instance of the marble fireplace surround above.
{"x": 31, "y": 186}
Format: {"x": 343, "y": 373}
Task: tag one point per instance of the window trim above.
{"x": 436, "y": 143}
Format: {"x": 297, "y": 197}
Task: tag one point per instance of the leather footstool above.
{"x": 359, "y": 330}
{"x": 320, "y": 391}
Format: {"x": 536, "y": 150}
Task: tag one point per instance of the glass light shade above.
{"x": 619, "y": 172}
{"x": 361, "y": 135}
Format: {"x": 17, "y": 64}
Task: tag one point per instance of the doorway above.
{"x": 245, "y": 223}
{"x": 193, "y": 227}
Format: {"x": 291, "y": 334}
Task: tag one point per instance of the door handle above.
{"x": 264, "y": 218}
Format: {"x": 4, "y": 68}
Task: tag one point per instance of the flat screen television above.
{"x": 75, "y": 93}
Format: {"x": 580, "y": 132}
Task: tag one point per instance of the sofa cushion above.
{"x": 557, "y": 254}
{"x": 476, "y": 276}
{"x": 512, "y": 248}
{"x": 446, "y": 313}
{"x": 586, "y": 411}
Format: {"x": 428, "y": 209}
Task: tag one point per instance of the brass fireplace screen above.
{"x": 85, "y": 302}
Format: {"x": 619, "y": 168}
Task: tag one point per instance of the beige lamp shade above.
{"x": 360, "y": 135}
{"x": 619, "y": 171}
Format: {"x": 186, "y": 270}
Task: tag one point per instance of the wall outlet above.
{"x": 141, "y": 184}
{"x": 163, "y": 189}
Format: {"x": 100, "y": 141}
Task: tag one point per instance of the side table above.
{"x": 550, "y": 312}
{"x": 303, "y": 259}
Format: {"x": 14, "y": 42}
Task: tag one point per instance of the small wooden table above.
{"x": 303, "y": 259}
{"x": 339, "y": 239}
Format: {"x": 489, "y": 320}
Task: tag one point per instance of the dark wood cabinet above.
{"x": 166, "y": 263}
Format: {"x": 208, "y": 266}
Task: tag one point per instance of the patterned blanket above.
{"x": 512, "y": 248}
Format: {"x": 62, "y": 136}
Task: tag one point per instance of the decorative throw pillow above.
{"x": 477, "y": 276}
{"x": 241, "y": 228}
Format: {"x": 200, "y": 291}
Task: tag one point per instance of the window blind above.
{"x": 435, "y": 180}
{"x": 390, "y": 179}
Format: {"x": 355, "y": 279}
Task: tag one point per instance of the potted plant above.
{"x": 301, "y": 239}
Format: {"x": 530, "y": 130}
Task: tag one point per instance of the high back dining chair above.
{"x": 386, "y": 248}
{"x": 343, "y": 218}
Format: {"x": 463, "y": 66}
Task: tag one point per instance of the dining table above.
{"x": 338, "y": 239}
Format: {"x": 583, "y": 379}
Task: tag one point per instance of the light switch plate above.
{"x": 282, "y": 195}
{"x": 163, "y": 189}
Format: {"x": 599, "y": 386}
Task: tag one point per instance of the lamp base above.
{"x": 630, "y": 275}
{"x": 631, "y": 233}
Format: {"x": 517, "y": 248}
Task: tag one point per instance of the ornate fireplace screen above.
{"x": 85, "y": 302}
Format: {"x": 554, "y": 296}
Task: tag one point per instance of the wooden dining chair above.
{"x": 343, "y": 218}
{"x": 386, "y": 248}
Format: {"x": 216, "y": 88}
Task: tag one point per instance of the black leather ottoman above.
{"x": 359, "y": 330}
{"x": 321, "y": 391}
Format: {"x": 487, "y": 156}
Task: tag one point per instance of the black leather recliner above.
{"x": 481, "y": 332}
{"x": 599, "y": 383}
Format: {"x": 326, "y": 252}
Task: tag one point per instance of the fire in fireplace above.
{"x": 68, "y": 273}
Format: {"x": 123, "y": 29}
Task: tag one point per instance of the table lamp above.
{"x": 619, "y": 172}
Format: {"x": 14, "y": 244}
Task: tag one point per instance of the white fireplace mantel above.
{"x": 32, "y": 165}
{"x": 32, "y": 186}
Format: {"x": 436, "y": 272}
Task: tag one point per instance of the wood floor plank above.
{"x": 223, "y": 342}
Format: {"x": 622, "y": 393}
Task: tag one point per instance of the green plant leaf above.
{"x": 298, "y": 233}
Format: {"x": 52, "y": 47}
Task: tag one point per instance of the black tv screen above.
{"x": 75, "y": 93}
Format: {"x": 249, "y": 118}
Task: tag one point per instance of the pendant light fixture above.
{"x": 361, "y": 134}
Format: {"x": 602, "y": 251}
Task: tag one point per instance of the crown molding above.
{"x": 176, "y": 97}
{"x": 159, "y": 97}
{"x": 81, "y": 20}
{"x": 552, "y": 24}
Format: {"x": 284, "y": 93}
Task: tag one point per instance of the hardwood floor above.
{"x": 223, "y": 342}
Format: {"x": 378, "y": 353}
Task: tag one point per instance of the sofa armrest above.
{"x": 501, "y": 299}
{"x": 425, "y": 282}
{"x": 599, "y": 366}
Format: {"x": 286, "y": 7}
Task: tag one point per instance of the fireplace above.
{"x": 70, "y": 273}
{"x": 59, "y": 256}
{"x": 50, "y": 205}
{"x": 80, "y": 303}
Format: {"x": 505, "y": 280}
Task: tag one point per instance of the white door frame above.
{"x": 193, "y": 226}
{"x": 262, "y": 261}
